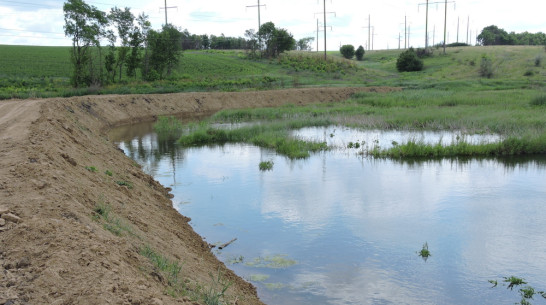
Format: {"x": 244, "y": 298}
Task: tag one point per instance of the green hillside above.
{"x": 27, "y": 71}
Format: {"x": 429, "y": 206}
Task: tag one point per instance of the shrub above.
{"x": 538, "y": 61}
{"x": 486, "y": 67}
{"x": 348, "y": 51}
{"x": 409, "y": 62}
{"x": 360, "y": 53}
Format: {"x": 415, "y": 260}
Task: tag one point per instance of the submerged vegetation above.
{"x": 526, "y": 293}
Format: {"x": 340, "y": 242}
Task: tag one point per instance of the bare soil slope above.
{"x": 54, "y": 249}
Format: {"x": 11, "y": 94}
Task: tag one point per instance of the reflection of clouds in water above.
{"x": 365, "y": 284}
{"x": 482, "y": 218}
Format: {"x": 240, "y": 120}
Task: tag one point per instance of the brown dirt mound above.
{"x": 54, "y": 247}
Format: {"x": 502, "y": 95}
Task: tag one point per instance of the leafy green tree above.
{"x": 276, "y": 40}
{"x": 86, "y": 25}
{"x": 251, "y": 43}
{"x": 492, "y": 35}
{"x": 304, "y": 44}
{"x": 123, "y": 20}
{"x": 409, "y": 62}
{"x": 144, "y": 28}
{"x": 348, "y": 51}
{"x": 360, "y": 53}
{"x": 165, "y": 48}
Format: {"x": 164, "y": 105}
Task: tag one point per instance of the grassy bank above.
{"x": 28, "y": 72}
{"x": 518, "y": 116}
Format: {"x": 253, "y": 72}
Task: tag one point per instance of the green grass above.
{"x": 91, "y": 169}
{"x": 29, "y": 72}
{"x": 272, "y": 135}
{"x": 127, "y": 184}
{"x": 102, "y": 213}
{"x": 526, "y": 293}
{"x": 511, "y": 114}
{"x": 169, "y": 267}
{"x": 266, "y": 165}
{"x": 425, "y": 253}
{"x": 168, "y": 127}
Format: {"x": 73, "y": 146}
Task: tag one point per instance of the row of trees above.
{"x": 493, "y": 35}
{"x": 154, "y": 53}
{"x": 133, "y": 46}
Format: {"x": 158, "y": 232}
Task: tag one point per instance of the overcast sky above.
{"x": 33, "y": 22}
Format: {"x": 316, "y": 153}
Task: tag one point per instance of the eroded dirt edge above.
{"x": 54, "y": 155}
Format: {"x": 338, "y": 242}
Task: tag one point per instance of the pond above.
{"x": 339, "y": 228}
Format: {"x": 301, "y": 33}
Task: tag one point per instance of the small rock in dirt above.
{"x": 2, "y": 222}
{"x": 23, "y": 263}
{"x": 3, "y": 210}
{"x": 12, "y": 218}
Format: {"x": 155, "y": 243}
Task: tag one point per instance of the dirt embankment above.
{"x": 54, "y": 249}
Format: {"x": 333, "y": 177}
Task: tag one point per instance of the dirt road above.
{"x": 56, "y": 249}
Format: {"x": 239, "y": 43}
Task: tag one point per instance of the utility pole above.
{"x": 399, "y": 37}
{"x": 405, "y": 32}
{"x": 259, "y": 23}
{"x": 324, "y": 29}
{"x": 166, "y": 8}
{"x": 259, "y": 19}
{"x": 318, "y": 31}
{"x": 458, "y": 28}
{"x": 324, "y": 13}
{"x": 426, "y": 23}
{"x": 467, "y": 29}
{"x": 445, "y": 28}
{"x": 409, "y": 33}
{"x": 434, "y": 36}
{"x": 369, "y": 27}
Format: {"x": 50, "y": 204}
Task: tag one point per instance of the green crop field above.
{"x": 27, "y": 71}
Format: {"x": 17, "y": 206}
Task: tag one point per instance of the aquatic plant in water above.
{"x": 527, "y": 293}
{"x": 424, "y": 253}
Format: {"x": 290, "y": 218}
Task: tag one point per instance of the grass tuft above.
{"x": 425, "y": 253}
{"x": 266, "y": 165}
{"x": 539, "y": 100}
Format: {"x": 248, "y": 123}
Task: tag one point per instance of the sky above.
{"x": 33, "y": 22}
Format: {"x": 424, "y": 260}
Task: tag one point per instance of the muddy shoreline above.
{"x": 54, "y": 156}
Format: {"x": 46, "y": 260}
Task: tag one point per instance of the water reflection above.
{"x": 354, "y": 224}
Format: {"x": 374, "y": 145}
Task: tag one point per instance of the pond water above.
{"x": 338, "y": 228}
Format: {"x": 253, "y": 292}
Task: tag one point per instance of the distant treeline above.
{"x": 493, "y": 35}
{"x": 203, "y": 42}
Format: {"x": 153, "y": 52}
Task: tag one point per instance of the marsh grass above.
{"x": 512, "y": 146}
{"x": 274, "y": 135}
{"x": 266, "y": 165}
{"x": 424, "y": 252}
{"x": 526, "y": 293}
{"x": 168, "y": 127}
